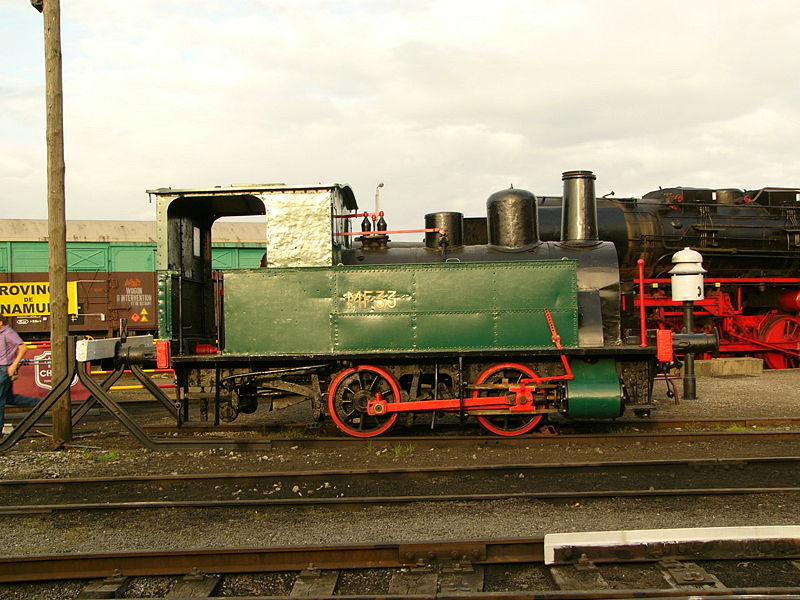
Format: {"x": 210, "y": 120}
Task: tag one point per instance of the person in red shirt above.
{"x": 12, "y": 351}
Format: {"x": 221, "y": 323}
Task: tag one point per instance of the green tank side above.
{"x": 401, "y": 308}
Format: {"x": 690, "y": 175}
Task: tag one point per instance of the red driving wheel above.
{"x": 506, "y": 424}
{"x": 349, "y": 393}
{"x": 782, "y": 331}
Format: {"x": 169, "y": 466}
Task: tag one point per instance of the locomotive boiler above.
{"x": 374, "y": 331}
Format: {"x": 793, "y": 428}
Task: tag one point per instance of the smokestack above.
{"x": 579, "y": 209}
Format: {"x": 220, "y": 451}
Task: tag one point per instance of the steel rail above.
{"x": 260, "y": 560}
{"x": 407, "y": 499}
{"x": 754, "y": 593}
{"x": 375, "y": 556}
{"x": 757, "y": 593}
{"x": 408, "y": 485}
{"x": 443, "y": 441}
{"x": 642, "y": 424}
{"x": 451, "y": 433}
{"x": 190, "y": 440}
{"x": 446, "y": 439}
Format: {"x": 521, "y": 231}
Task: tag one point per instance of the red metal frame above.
{"x": 664, "y": 350}
{"x": 642, "y": 308}
{"x": 521, "y": 401}
{"x": 740, "y": 333}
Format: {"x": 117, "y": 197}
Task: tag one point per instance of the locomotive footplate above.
{"x": 632, "y": 351}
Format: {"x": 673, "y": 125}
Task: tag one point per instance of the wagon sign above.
{"x": 31, "y": 299}
{"x": 36, "y": 378}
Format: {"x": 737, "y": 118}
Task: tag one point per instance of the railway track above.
{"x": 646, "y": 424}
{"x": 203, "y": 439}
{"x": 150, "y": 408}
{"x": 477, "y": 569}
{"x": 773, "y": 428}
{"x": 628, "y": 423}
{"x": 405, "y": 485}
{"x": 247, "y": 437}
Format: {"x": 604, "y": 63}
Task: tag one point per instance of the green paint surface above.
{"x": 407, "y": 308}
{"x": 132, "y": 258}
{"x": 595, "y": 392}
{"x": 236, "y": 258}
{"x": 112, "y": 257}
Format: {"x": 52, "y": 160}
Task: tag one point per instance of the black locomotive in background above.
{"x": 750, "y": 242}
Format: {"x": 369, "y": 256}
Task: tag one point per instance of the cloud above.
{"x": 444, "y": 101}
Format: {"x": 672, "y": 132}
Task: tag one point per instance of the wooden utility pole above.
{"x": 56, "y": 219}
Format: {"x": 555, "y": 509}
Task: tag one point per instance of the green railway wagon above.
{"x": 111, "y": 265}
{"x": 18, "y": 258}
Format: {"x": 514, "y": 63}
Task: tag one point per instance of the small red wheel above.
{"x": 782, "y": 331}
{"x": 506, "y": 424}
{"x": 349, "y": 393}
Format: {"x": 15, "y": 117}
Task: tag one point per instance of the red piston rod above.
{"x": 519, "y": 400}
{"x": 379, "y": 406}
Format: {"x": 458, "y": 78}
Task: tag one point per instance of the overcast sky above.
{"x": 444, "y": 101}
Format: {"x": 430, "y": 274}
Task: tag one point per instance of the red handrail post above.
{"x": 642, "y": 312}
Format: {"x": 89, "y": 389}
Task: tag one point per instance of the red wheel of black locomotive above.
{"x": 349, "y": 393}
{"x": 784, "y": 331}
{"x": 506, "y": 424}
